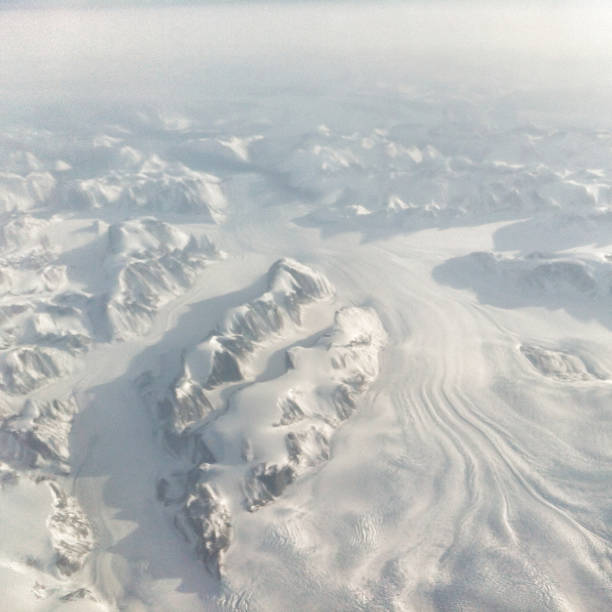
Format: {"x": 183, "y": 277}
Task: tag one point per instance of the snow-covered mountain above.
{"x": 305, "y": 307}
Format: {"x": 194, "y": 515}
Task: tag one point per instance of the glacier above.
{"x": 305, "y": 306}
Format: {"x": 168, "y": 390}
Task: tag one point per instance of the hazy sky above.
{"x": 61, "y": 53}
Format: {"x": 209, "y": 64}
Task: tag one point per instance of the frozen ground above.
{"x": 271, "y": 340}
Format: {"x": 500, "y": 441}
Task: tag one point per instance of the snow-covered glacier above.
{"x": 305, "y": 306}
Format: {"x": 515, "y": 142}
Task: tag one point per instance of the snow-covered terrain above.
{"x": 305, "y": 307}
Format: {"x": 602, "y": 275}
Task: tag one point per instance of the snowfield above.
{"x": 310, "y": 317}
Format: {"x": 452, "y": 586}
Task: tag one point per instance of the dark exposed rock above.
{"x": 71, "y": 533}
{"x": 205, "y": 520}
{"x": 291, "y": 411}
{"x": 78, "y": 595}
{"x": 265, "y": 482}
{"x": 225, "y": 366}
